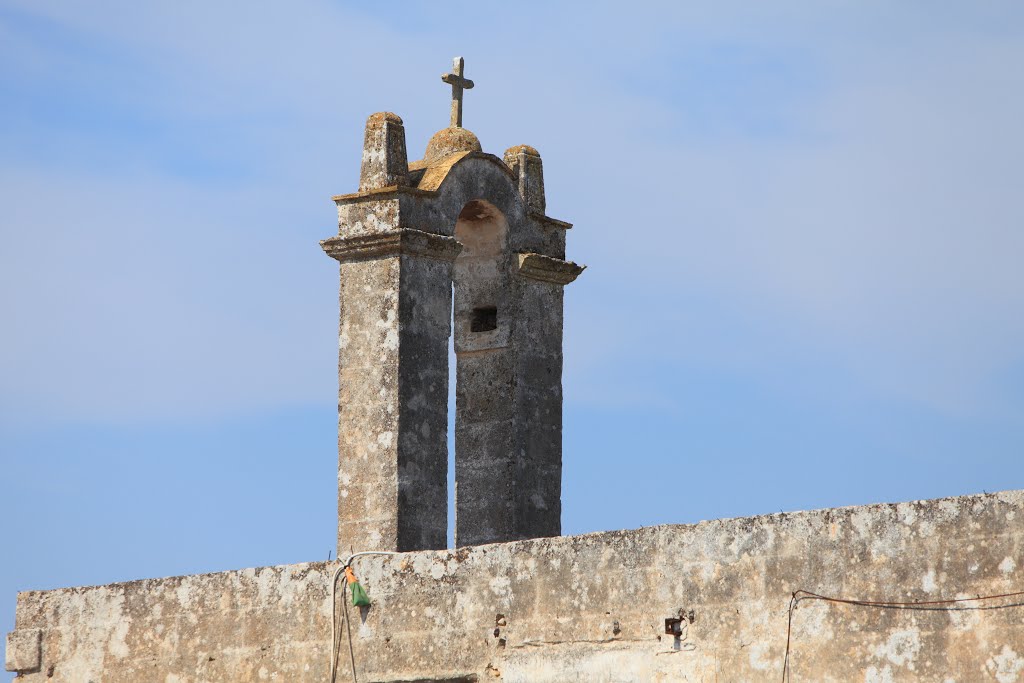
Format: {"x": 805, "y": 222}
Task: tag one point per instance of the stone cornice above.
{"x": 388, "y": 192}
{"x": 549, "y": 222}
{"x": 380, "y": 245}
{"x": 548, "y": 269}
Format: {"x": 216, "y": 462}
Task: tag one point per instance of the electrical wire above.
{"x": 334, "y": 614}
{"x": 891, "y": 604}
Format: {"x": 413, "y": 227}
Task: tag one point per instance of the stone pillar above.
{"x": 395, "y": 326}
{"x": 485, "y": 426}
{"x": 538, "y": 392}
{"x": 393, "y": 389}
{"x": 508, "y": 426}
{"x": 385, "y": 161}
{"x": 508, "y": 344}
{"x": 528, "y": 169}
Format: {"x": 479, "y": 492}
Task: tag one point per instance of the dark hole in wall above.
{"x": 484, "y": 319}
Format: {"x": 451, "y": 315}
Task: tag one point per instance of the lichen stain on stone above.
{"x": 928, "y": 584}
{"x": 901, "y": 648}
{"x": 448, "y": 141}
{"x": 1006, "y": 666}
{"x": 879, "y": 675}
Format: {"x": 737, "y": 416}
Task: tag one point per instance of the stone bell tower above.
{"x": 460, "y": 237}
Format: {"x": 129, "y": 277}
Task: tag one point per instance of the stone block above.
{"x": 24, "y": 650}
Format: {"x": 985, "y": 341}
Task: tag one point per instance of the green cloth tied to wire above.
{"x": 359, "y": 596}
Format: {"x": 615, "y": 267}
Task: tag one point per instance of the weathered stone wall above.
{"x": 585, "y": 608}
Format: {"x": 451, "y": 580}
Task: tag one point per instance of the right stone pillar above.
{"x": 508, "y": 308}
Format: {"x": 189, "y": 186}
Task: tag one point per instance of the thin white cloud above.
{"x": 851, "y": 189}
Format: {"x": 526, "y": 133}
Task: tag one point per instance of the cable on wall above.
{"x": 335, "y": 635}
{"x": 800, "y": 595}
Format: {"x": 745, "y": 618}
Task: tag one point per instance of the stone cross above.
{"x": 458, "y": 83}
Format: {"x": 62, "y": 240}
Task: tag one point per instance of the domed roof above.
{"x": 450, "y": 141}
{"x": 513, "y": 151}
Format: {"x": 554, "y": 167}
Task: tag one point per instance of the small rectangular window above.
{"x": 484, "y": 319}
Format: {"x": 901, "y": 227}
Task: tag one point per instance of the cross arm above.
{"x": 455, "y": 79}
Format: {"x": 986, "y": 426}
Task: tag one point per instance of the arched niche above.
{"x": 481, "y": 311}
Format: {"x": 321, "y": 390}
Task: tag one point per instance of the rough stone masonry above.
{"x": 457, "y": 248}
{"x": 586, "y": 608}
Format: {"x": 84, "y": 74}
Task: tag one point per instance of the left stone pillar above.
{"x": 395, "y": 326}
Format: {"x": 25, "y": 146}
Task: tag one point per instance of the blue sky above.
{"x": 802, "y": 223}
